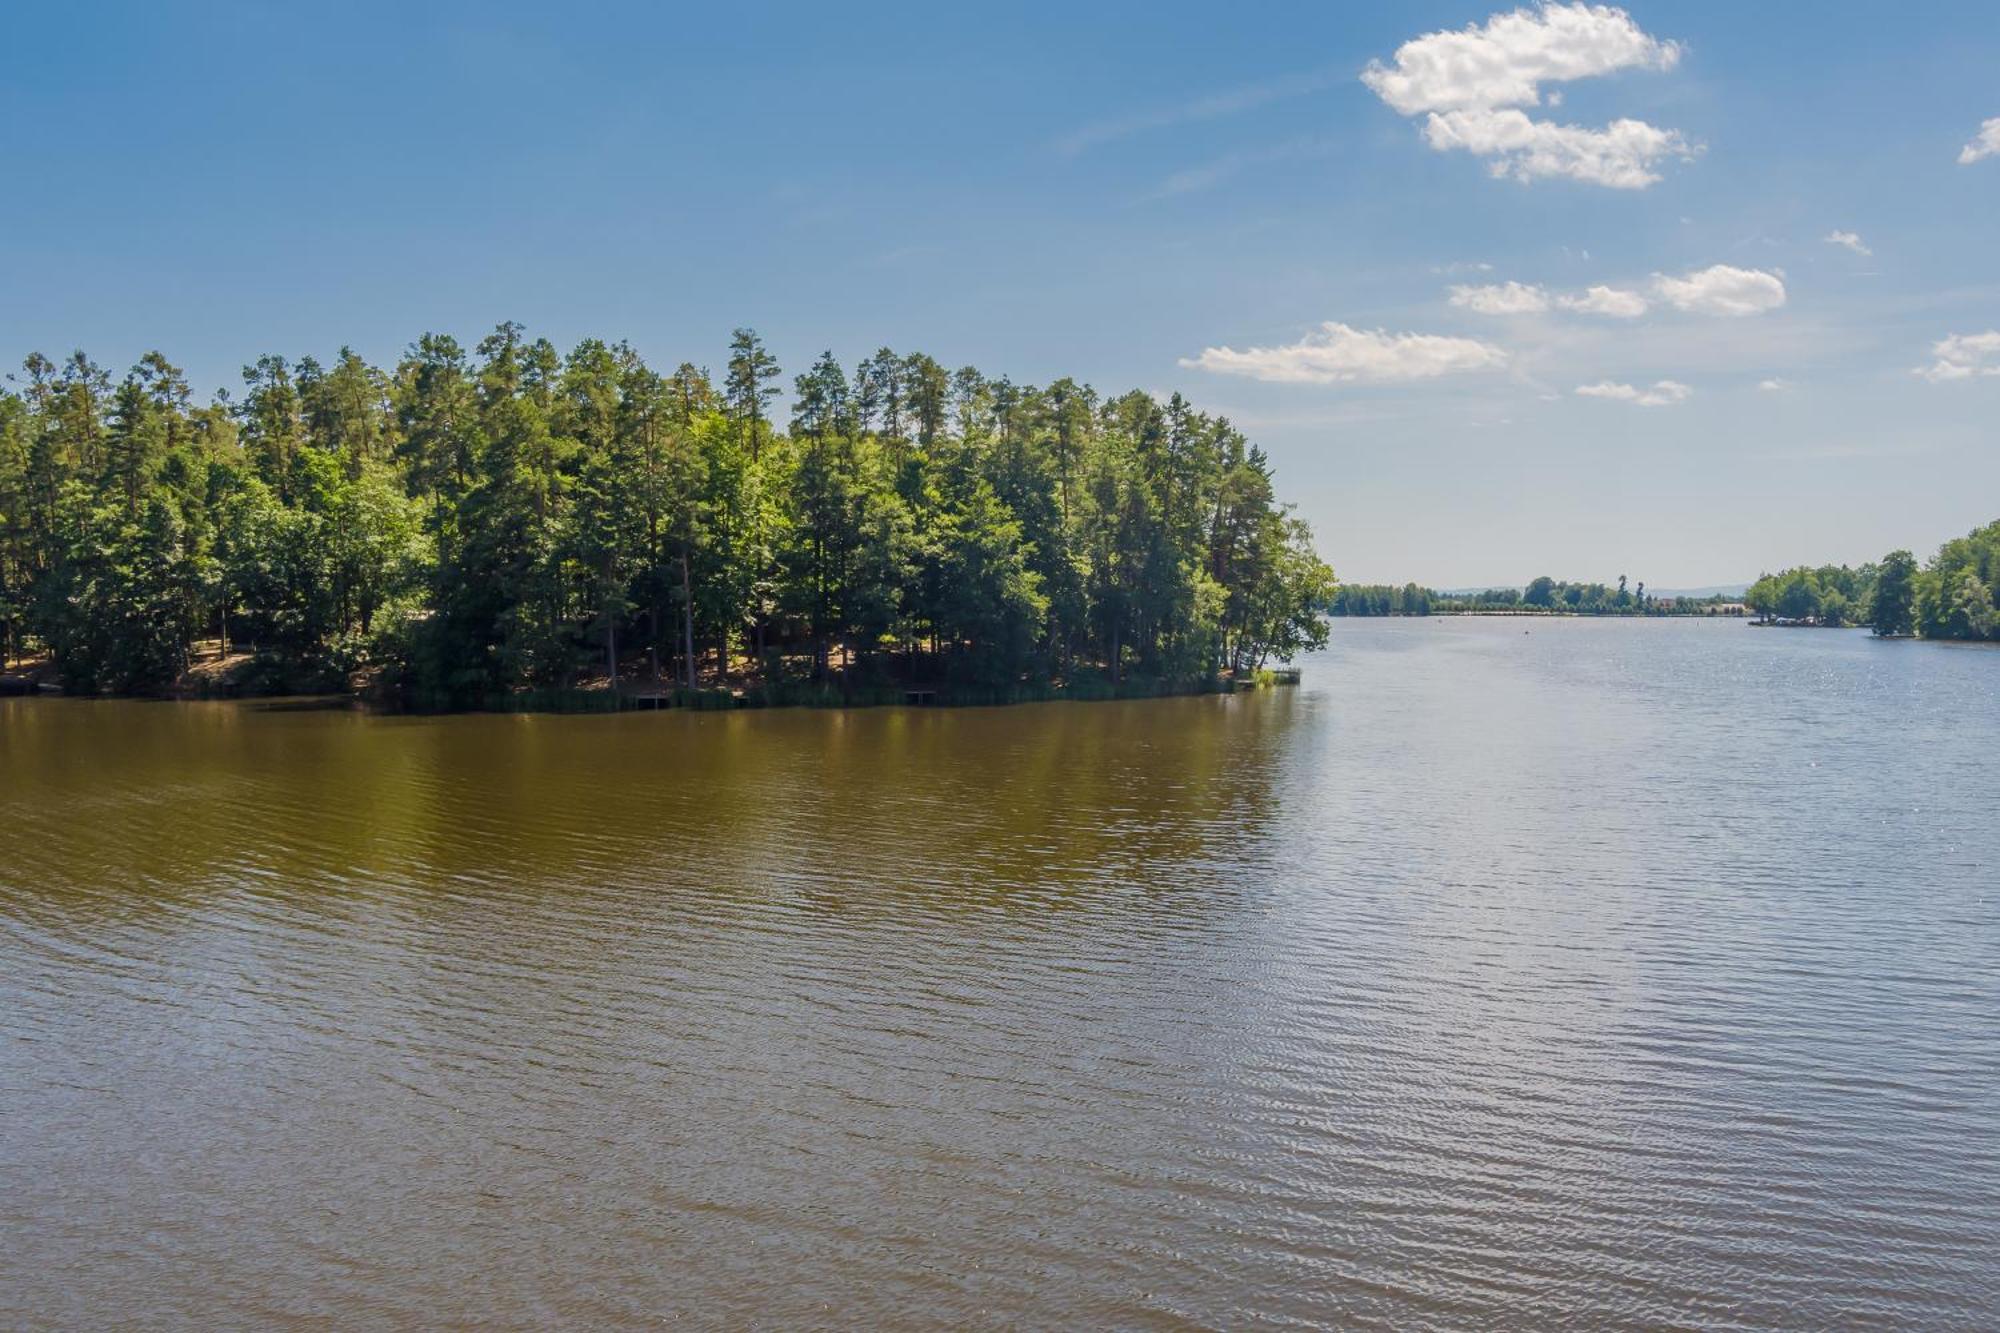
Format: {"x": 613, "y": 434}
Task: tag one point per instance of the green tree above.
{"x": 470, "y": 527}
{"x": 748, "y": 388}
{"x": 1892, "y": 610}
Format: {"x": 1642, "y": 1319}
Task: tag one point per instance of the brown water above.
{"x": 1604, "y": 974}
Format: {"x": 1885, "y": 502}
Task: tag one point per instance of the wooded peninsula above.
{"x": 513, "y": 524}
{"x": 1955, "y": 595}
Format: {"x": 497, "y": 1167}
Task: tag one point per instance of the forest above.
{"x": 1954, "y": 595}
{"x": 1542, "y": 596}
{"x": 465, "y": 528}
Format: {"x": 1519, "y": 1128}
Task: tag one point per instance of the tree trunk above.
{"x": 611, "y": 645}
{"x": 687, "y": 616}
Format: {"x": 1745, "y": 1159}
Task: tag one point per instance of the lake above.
{"x": 1557, "y": 973}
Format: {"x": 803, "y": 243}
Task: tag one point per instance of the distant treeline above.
{"x": 1956, "y": 595}
{"x": 1544, "y": 596}
{"x": 469, "y": 524}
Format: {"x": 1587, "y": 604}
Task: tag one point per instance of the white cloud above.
{"x": 1665, "y": 393}
{"x": 1849, "y": 240}
{"x": 1612, "y": 301}
{"x": 1621, "y": 156}
{"x": 1963, "y": 356}
{"x": 1507, "y": 298}
{"x": 1774, "y": 385}
{"x": 1986, "y": 143}
{"x": 1522, "y": 298}
{"x": 1469, "y": 86}
{"x": 1505, "y": 62}
{"x": 1339, "y": 354}
{"x": 1722, "y": 290}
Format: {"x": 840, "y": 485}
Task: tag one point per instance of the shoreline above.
{"x": 633, "y": 697}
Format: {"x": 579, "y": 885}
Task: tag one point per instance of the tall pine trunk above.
{"x": 611, "y": 645}
{"x": 687, "y": 615}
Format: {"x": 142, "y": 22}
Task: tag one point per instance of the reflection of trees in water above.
{"x": 124, "y": 805}
{"x": 982, "y": 808}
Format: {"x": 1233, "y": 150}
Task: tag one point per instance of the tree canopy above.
{"x": 470, "y": 524}
{"x": 1955, "y": 595}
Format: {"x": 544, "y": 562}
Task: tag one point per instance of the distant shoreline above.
{"x": 1527, "y": 614}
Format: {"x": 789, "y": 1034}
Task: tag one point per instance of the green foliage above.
{"x": 1958, "y": 592}
{"x": 516, "y": 523}
{"x": 119, "y": 600}
{"x": 1955, "y": 596}
{"x": 1830, "y": 595}
{"x": 1892, "y": 606}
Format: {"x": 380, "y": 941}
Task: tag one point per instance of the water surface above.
{"x": 1556, "y": 974}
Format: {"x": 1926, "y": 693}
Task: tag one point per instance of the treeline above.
{"x": 1543, "y": 596}
{"x": 1956, "y": 595}
{"x": 462, "y": 527}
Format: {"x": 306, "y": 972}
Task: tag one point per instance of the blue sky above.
{"x": 1108, "y": 191}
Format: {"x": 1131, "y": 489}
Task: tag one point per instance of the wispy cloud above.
{"x": 1505, "y": 298}
{"x": 1518, "y": 298}
{"x": 1936, "y": 442}
{"x": 1986, "y": 143}
{"x": 1665, "y": 393}
{"x": 1963, "y": 356}
{"x": 1613, "y": 302}
{"x": 1336, "y": 353}
{"x": 1212, "y": 107}
{"x": 1847, "y": 240}
{"x": 1210, "y": 174}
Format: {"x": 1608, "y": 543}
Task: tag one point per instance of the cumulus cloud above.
{"x": 1507, "y": 298}
{"x": 1986, "y": 143}
{"x": 1470, "y": 84}
{"x": 1849, "y": 240}
{"x": 1722, "y": 290}
{"x": 1664, "y": 393}
{"x": 1612, "y": 301}
{"x": 1774, "y": 385}
{"x": 1620, "y": 156}
{"x": 1506, "y": 62}
{"x": 1963, "y": 356}
{"x": 1338, "y": 354}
